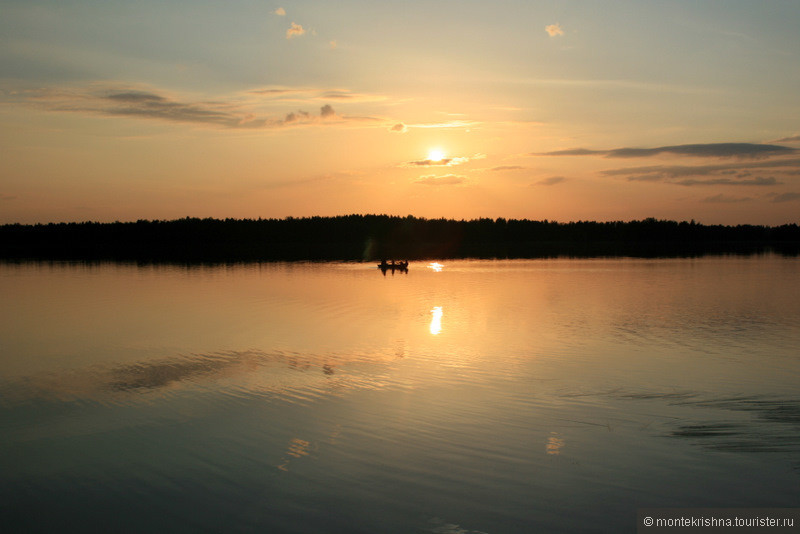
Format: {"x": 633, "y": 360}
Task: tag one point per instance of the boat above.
{"x": 392, "y": 266}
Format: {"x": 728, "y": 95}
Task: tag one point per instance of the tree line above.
{"x": 375, "y": 237}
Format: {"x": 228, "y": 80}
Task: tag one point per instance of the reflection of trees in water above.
{"x": 774, "y": 425}
{"x": 252, "y": 370}
{"x": 153, "y": 375}
{"x": 162, "y": 373}
{"x": 774, "y": 428}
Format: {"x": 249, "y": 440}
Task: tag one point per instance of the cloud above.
{"x": 296, "y": 116}
{"x": 348, "y": 96}
{"x": 569, "y": 152}
{"x": 554, "y": 30}
{"x": 445, "y": 162}
{"x": 304, "y": 94}
{"x": 710, "y": 150}
{"x": 326, "y": 112}
{"x": 724, "y": 199}
{"x": 333, "y": 45}
{"x": 747, "y": 173}
{"x": 295, "y": 30}
{"x": 399, "y": 128}
{"x": 279, "y": 91}
{"x": 339, "y": 95}
{"x": 136, "y": 102}
{"x": 447, "y": 179}
{"x": 665, "y": 172}
{"x": 508, "y": 168}
{"x": 553, "y": 180}
{"x": 758, "y": 181}
{"x": 280, "y": 12}
{"x": 149, "y": 105}
{"x": 449, "y": 124}
{"x": 791, "y": 139}
{"x": 786, "y": 197}
{"x": 4, "y": 197}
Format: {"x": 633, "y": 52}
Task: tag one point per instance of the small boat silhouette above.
{"x": 393, "y": 266}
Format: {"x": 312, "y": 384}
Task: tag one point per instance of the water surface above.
{"x": 472, "y": 396}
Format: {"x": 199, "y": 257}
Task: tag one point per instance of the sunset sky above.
{"x": 560, "y": 110}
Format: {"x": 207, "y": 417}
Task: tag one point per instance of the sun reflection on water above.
{"x": 554, "y": 444}
{"x": 436, "y": 266}
{"x": 436, "y": 320}
{"x": 297, "y": 449}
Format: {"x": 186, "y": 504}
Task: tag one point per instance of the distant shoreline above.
{"x": 374, "y": 237}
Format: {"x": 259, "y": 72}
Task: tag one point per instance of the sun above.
{"x": 435, "y": 154}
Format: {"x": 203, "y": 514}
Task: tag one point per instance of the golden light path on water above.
{"x": 436, "y": 312}
{"x": 436, "y": 320}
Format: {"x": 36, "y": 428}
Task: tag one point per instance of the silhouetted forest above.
{"x": 372, "y": 237}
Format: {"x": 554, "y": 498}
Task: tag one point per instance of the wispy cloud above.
{"x": 399, "y": 128}
{"x": 295, "y": 30}
{"x": 786, "y": 197}
{"x": 725, "y": 199}
{"x": 554, "y": 30}
{"x": 790, "y": 139}
{"x": 4, "y": 197}
{"x": 280, "y": 12}
{"x": 447, "y": 179}
{"x": 303, "y": 117}
{"x": 444, "y": 162}
{"x": 151, "y": 104}
{"x": 349, "y": 96}
{"x": 304, "y": 94}
{"x": 278, "y": 91}
{"x": 747, "y": 173}
{"x": 508, "y": 168}
{"x": 448, "y": 124}
{"x": 553, "y": 180}
{"x": 757, "y": 181}
{"x": 665, "y": 172}
{"x": 710, "y": 150}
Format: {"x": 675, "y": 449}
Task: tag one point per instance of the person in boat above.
{"x": 401, "y": 265}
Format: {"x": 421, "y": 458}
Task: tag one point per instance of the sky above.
{"x": 559, "y": 110}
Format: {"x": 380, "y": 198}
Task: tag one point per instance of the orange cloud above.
{"x": 553, "y": 180}
{"x": 295, "y": 31}
{"x": 554, "y": 30}
{"x": 447, "y": 179}
{"x": 445, "y": 162}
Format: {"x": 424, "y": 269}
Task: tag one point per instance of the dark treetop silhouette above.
{"x": 371, "y": 237}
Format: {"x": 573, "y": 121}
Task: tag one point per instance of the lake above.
{"x": 461, "y": 397}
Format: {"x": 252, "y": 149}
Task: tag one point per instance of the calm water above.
{"x": 472, "y": 397}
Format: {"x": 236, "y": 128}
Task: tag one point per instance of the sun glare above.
{"x": 436, "y": 320}
{"x": 436, "y": 154}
